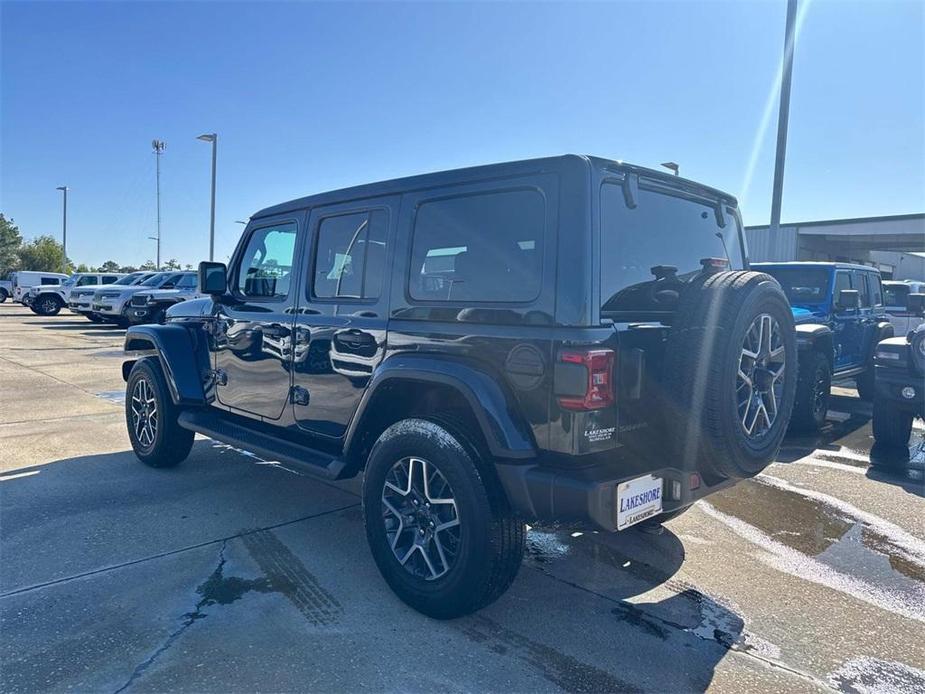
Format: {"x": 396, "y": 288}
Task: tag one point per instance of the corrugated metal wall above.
{"x": 763, "y": 245}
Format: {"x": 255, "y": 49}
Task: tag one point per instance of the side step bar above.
{"x": 271, "y": 448}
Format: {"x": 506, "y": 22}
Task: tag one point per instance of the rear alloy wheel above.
{"x": 421, "y": 518}
{"x": 438, "y": 523}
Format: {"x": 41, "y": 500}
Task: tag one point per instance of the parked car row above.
{"x": 122, "y": 299}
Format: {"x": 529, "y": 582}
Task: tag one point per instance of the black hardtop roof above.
{"x": 486, "y": 171}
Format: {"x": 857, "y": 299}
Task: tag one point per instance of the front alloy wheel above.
{"x": 144, "y": 413}
{"x": 421, "y": 518}
{"x": 48, "y": 306}
{"x": 759, "y": 382}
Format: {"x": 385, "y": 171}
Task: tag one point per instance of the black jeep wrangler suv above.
{"x": 564, "y": 339}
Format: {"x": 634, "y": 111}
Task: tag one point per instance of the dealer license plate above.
{"x": 638, "y": 499}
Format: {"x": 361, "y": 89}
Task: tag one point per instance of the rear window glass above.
{"x": 663, "y": 236}
{"x": 479, "y": 248}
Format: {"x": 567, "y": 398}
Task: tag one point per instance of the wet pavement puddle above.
{"x": 817, "y": 537}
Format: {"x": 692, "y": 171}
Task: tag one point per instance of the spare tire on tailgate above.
{"x": 730, "y": 373}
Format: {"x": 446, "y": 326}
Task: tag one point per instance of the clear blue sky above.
{"x": 308, "y": 97}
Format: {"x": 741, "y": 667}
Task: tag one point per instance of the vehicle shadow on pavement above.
{"x": 165, "y": 553}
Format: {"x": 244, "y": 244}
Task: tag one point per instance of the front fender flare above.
{"x": 183, "y": 358}
{"x": 506, "y": 434}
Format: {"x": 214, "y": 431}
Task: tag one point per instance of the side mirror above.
{"x": 915, "y": 304}
{"x": 847, "y": 299}
{"x": 213, "y": 278}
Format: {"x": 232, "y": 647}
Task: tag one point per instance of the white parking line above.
{"x": 15, "y": 476}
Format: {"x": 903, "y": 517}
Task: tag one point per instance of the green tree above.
{"x": 43, "y": 253}
{"x": 171, "y": 264}
{"x": 148, "y": 265}
{"x": 10, "y": 243}
{"x": 109, "y": 266}
{"x": 128, "y": 268}
{"x": 83, "y": 267}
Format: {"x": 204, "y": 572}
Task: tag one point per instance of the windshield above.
{"x": 895, "y": 294}
{"x": 650, "y": 250}
{"x": 128, "y": 280}
{"x": 153, "y": 280}
{"x": 69, "y": 282}
{"x": 802, "y": 285}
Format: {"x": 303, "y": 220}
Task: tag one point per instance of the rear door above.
{"x": 342, "y": 311}
{"x": 864, "y": 282}
{"x": 254, "y": 326}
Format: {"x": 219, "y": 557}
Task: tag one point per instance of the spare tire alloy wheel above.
{"x": 759, "y": 382}
{"x": 421, "y": 519}
{"x": 144, "y": 413}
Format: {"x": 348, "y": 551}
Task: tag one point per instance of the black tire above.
{"x": 716, "y": 315}
{"x": 812, "y": 398}
{"x": 166, "y": 444}
{"x": 892, "y": 426}
{"x": 865, "y": 383}
{"x": 3, "y": 296}
{"x": 47, "y": 305}
{"x": 489, "y": 545}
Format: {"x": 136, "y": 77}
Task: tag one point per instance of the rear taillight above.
{"x": 598, "y": 385}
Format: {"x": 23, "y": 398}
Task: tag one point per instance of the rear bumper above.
{"x": 590, "y": 495}
{"x": 890, "y": 384}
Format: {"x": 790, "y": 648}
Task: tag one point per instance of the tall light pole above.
{"x": 64, "y": 190}
{"x": 159, "y": 146}
{"x": 213, "y": 138}
{"x": 783, "y": 116}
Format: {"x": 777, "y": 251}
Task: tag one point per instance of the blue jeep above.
{"x": 840, "y": 318}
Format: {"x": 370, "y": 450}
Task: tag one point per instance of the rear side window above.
{"x": 50, "y": 280}
{"x": 876, "y": 289}
{"x": 350, "y": 255}
{"x": 266, "y": 266}
{"x": 480, "y": 248}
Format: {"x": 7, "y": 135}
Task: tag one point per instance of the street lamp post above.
{"x": 783, "y": 116}
{"x": 64, "y": 190}
{"x": 159, "y": 146}
{"x": 213, "y": 138}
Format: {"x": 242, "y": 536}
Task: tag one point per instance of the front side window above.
{"x": 85, "y": 280}
{"x": 266, "y": 266}
{"x": 187, "y": 282}
{"x": 480, "y": 248}
{"x": 350, "y": 256}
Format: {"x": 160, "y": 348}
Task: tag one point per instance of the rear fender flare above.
{"x": 506, "y": 434}
{"x": 182, "y": 354}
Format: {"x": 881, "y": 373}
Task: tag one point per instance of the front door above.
{"x": 340, "y": 324}
{"x": 847, "y": 325}
{"x": 253, "y": 336}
